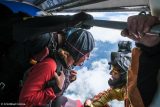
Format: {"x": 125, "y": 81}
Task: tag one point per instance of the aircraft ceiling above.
{"x": 90, "y": 5}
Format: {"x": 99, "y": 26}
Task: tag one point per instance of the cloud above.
{"x": 104, "y": 34}
{"x": 111, "y": 35}
{"x": 90, "y": 81}
{"x": 116, "y": 16}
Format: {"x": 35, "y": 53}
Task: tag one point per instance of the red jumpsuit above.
{"x": 33, "y": 92}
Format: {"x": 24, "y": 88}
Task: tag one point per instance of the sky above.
{"x": 93, "y": 76}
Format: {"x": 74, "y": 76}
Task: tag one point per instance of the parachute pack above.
{"x": 18, "y": 53}
{"x": 17, "y": 57}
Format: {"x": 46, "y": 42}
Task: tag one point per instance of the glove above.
{"x": 53, "y": 84}
{"x": 79, "y": 18}
{"x": 56, "y": 83}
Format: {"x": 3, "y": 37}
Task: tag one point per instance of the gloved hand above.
{"x": 56, "y": 83}
{"x": 79, "y": 18}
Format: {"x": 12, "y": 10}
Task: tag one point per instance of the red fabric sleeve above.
{"x": 32, "y": 92}
{"x": 79, "y": 103}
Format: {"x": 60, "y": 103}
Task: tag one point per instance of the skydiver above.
{"x": 120, "y": 62}
{"x": 142, "y": 77}
{"x": 31, "y": 39}
{"x": 76, "y": 50}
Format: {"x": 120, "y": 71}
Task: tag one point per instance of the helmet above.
{"x": 122, "y": 62}
{"x": 78, "y": 42}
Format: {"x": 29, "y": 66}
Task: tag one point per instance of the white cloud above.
{"x": 90, "y": 82}
{"x": 98, "y": 14}
{"x": 117, "y": 16}
{"x": 104, "y": 34}
{"x": 120, "y": 16}
{"x": 111, "y": 35}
